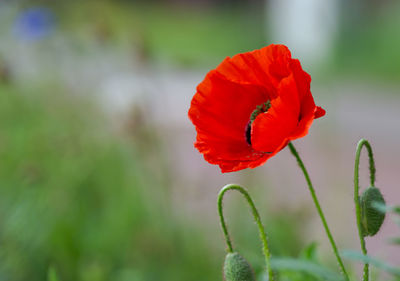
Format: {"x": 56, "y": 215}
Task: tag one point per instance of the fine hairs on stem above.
{"x": 372, "y": 170}
{"x": 257, "y": 219}
{"x": 320, "y": 212}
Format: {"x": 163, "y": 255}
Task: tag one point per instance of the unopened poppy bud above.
{"x": 236, "y": 268}
{"x": 371, "y": 218}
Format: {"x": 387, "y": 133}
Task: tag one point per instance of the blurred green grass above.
{"x": 200, "y": 37}
{"x": 85, "y": 202}
{"x": 75, "y": 196}
{"x": 189, "y": 36}
{"x": 369, "y": 47}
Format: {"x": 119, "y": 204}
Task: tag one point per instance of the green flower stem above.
{"x": 372, "y": 170}
{"x": 257, "y": 218}
{"x": 317, "y": 205}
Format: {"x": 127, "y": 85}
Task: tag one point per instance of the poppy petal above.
{"x": 319, "y": 112}
{"x": 221, "y": 130}
{"x": 263, "y": 67}
{"x": 249, "y": 108}
{"x": 223, "y": 108}
{"x": 271, "y": 129}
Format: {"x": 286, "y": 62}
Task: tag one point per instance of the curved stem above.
{"x": 372, "y": 171}
{"x": 222, "y": 220}
{"x": 257, "y": 218}
{"x": 317, "y": 205}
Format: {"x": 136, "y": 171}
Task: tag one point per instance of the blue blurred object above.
{"x": 34, "y": 23}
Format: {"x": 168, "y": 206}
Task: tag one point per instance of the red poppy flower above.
{"x": 249, "y": 108}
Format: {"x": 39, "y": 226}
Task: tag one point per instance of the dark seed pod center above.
{"x": 262, "y": 108}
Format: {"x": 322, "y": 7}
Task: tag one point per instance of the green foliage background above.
{"x": 82, "y": 200}
{"x": 75, "y": 197}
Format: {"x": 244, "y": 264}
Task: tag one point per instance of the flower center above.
{"x": 262, "y": 108}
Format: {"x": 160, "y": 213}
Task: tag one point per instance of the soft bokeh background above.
{"x": 99, "y": 179}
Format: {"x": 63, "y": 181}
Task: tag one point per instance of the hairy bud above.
{"x": 236, "y": 268}
{"x": 371, "y": 218}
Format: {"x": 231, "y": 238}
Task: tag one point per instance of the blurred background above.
{"x": 99, "y": 179}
